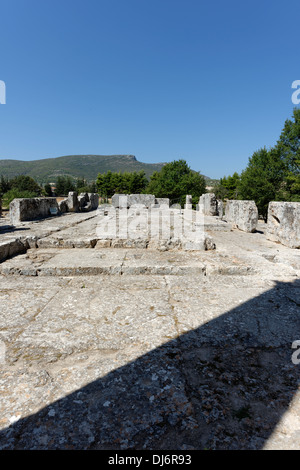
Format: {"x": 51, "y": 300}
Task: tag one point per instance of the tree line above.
{"x": 174, "y": 181}
{"x": 24, "y": 186}
{"x": 271, "y": 174}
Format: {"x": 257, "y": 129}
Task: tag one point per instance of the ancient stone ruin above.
{"x": 284, "y": 223}
{"x": 140, "y": 325}
{"x": 26, "y": 209}
{"x": 210, "y": 205}
{"x": 141, "y": 220}
{"x": 242, "y": 215}
{"x": 21, "y": 210}
{"x": 83, "y": 203}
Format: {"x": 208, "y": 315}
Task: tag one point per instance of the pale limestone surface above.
{"x": 242, "y": 215}
{"x": 284, "y": 223}
{"x": 31, "y": 208}
{"x": 126, "y": 348}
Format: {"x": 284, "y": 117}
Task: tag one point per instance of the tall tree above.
{"x": 25, "y": 183}
{"x": 175, "y": 181}
{"x": 288, "y": 147}
{"x": 262, "y": 179}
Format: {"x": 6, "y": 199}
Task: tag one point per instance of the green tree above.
{"x": 288, "y": 147}
{"x": 137, "y": 182}
{"x": 15, "y": 193}
{"x": 4, "y": 185}
{"x": 48, "y": 190}
{"x": 25, "y": 183}
{"x": 227, "y": 187}
{"x": 64, "y": 185}
{"x": 262, "y": 180}
{"x": 175, "y": 181}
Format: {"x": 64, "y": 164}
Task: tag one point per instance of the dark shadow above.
{"x": 224, "y": 385}
{"x": 12, "y": 228}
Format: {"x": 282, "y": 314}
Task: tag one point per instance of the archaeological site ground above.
{"x": 137, "y": 325}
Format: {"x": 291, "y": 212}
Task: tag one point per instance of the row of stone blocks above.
{"x": 283, "y": 225}
{"x": 125, "y": 201}
{"x": 25, "y": 209}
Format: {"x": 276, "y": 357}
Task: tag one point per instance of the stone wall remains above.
{"x": 284, "y": 223}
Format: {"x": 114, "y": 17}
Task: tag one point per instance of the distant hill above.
{"x": 77, "y": 166}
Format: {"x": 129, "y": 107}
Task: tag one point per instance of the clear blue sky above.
{"x": 209, "y": 82}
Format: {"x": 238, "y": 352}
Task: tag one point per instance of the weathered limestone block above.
{"x": 208, "y": 204}
{"x": 22, "y": 209}
{"x": 83, "y": 199}
{"x": 94, "y": 200}
{"x": 146, "y": 200}
{"x": 242, "y": 215}
{"x": 63, "y": 206}
{"x": 188, "y": 202}
{"x": 120, "y": 201}
{"x": 162, "y": 202}
{"x": 12, "y": 247}
{"x": 220, "y": 208}
{"x": 284, "y": 223}
{"x": 72, "y": 201}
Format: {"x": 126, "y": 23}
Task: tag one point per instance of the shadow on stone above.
{"x": 12, "y": 228}
{"x": 224, "y": 385}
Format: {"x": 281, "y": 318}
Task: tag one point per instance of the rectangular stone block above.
{"x": 146, "y": 200}
{"x": 31, "y": 208}
{"x": 72, "y": 202}
{"x": 94, "y": 200}
{"x": 162, "y": 202}
{"x": 120, "y": 201}
{"x": 242, "y": 215}
{"x": 208, "y": 204}
{"x": 284, "y": 223}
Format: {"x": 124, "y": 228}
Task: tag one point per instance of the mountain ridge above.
{"x": 88, "y": 166}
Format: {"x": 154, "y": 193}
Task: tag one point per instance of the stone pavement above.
{"x": 127, "y": 348}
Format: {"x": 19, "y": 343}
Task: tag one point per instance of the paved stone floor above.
{"x": 113, "y": 348}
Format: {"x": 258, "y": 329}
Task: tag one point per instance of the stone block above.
{"x": 162, "y": 202}
{"x": 72, "y": 201}
{"x": 220, "y": 208}
{"x": 120, "y": 201}
{"x": 242, "y": 215}
{"x": 83, "y": 199}
{"x": 284, "y": 223}
{"x": 94, "y": 200}
{"x": 146, "y": 200}
{"x": 63, "y": 206}
{"x": 24, "y": 209}
{"x": 208, "y": 204}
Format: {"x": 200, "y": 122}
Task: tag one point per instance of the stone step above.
{"x": 85, "y": 261}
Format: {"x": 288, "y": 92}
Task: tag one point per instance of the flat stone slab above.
{"x": 77, "y": 262}
{"x": 113, "y": 348}
{"x": 148, "y": 362}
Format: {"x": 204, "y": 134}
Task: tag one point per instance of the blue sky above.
{"x": 209, "y": 82}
